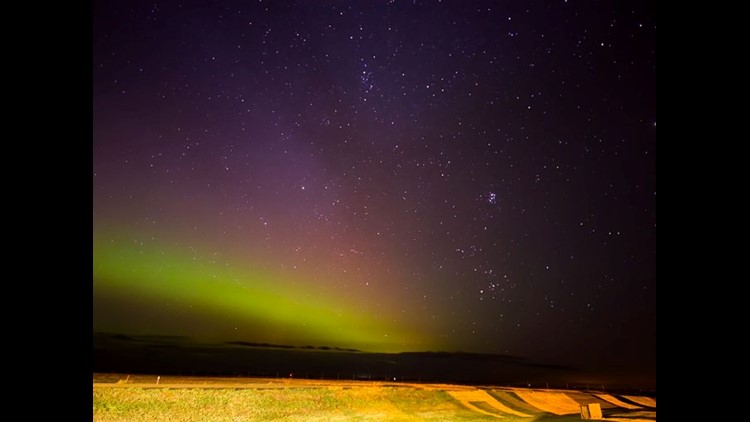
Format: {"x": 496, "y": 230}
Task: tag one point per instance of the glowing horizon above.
{"x": 265, "y": 307}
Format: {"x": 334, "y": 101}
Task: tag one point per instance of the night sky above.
{"x": 387, "y": 176}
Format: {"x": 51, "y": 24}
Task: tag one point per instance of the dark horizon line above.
{"x": 266, "y": 345}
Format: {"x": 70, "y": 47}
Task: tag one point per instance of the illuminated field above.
{"x": 155, "y": 398}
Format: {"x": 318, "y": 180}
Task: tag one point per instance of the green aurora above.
{"x": 276, "y": 311}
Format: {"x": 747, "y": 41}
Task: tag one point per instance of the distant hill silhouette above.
{"x": 122, "y": 353}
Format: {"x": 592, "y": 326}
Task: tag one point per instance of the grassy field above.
{"x": 141, "y": 398}
{"x": 289, "y": 404}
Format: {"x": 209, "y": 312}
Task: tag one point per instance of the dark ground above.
{"x": 183, "y": 356}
